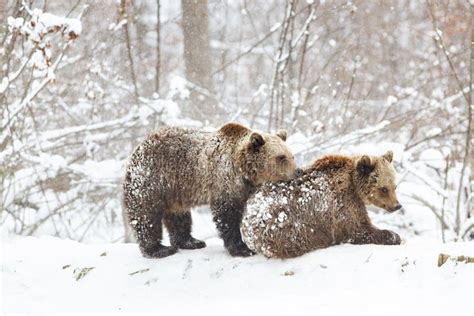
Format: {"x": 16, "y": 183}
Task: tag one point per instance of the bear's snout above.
{"x": 298, "y": 172}
{"x": 396, "y": 207}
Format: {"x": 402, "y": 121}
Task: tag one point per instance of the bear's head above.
{"x": 375, "y": 180}
{"x": 266, "y": 157}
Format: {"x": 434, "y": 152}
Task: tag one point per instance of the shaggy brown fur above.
{"x": 176, "y": 169}
{"x": 323, "y": 207}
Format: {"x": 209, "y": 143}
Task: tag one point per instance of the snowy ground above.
{"x": 39, "y": 276}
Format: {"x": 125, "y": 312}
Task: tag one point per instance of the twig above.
{"x": 442, "y": 258}
{"x": 432, "y": 208}
{"x": 435, "y": 188}
{"x": 446, "y": 54}
{"x": 19, "y": 106}
{"x": 339, "y": 140}
{"x": 248, "y": 50}
{"x": 52, "y": 213}
{"x": 467, "y": 230}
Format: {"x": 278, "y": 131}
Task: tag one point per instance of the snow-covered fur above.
{"x": 323, "y": 207}
{"x": 175, "y": 169}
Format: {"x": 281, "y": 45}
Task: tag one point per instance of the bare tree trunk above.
{"x": 197, "y": 54}
{"x": 468, "y": 98}
{"x": 469, "y": 140}
{"x": 277, "y": 92}
{"x": 123, "y": 15}
{"x": 127, "y": 235}
{"x": 158, "y": 48}
{"x": 2, "y": 180}
{"x": 446, "y": 174}
{"x": 467, "y": 149}
{"x": 470, "y": 110}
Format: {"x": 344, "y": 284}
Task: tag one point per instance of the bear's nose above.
{"x": 397, "y": 207}
{"x": 298, "y": 172}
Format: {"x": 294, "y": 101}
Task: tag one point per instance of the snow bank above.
{"x": 72, "y": 27}
{"x": 42, "y": 23}
{"x": 39, "y": 276}
{"x": 108, "y": 170}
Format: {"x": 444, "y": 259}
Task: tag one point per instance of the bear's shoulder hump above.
{"x": 332, "y": 162}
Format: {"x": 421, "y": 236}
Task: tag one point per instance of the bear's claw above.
{"x": 392, "y": 238}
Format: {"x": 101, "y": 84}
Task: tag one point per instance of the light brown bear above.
{"x": 176, "y": 169}
{"x": 326, "y": 205}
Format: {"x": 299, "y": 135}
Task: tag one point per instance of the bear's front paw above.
{"x": 192, "y": 243}
{"x": 391, "y": 238}
{"x": 240, "y": 250}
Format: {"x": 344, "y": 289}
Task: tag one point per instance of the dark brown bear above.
{"x": 176, "y": 169}
{"x": 323, "y": 207}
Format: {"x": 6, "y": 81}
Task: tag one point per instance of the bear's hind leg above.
{"x": 179, "y": 228}
{"x": 149, "y": 234}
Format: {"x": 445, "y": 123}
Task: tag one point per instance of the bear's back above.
{"x": 164, "y": 159}
{"x": 288, "y": 219}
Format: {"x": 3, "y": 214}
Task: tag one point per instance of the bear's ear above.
{"x": 256, "y": 141}
{"x": 283, "y": 134}
{"x": 365, "y": 165}
{"x": 388, "y": 156}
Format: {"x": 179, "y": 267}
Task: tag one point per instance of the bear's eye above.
{"x": 281, "y": 158}
{"x": 384, "y": 190}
